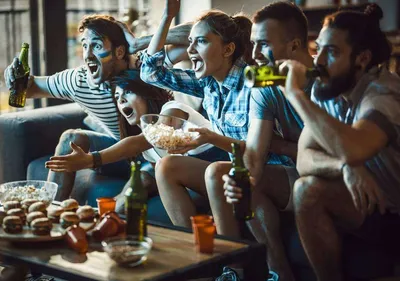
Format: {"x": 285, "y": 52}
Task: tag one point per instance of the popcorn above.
{"x": 20, "y": 193}
{"x": 166, "y": 137}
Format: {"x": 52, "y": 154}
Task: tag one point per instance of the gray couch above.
{"x": 29, "y": 138}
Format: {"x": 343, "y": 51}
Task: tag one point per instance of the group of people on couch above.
{"x": 326, "y": 149}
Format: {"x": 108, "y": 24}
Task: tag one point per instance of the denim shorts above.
{"x": 99, "y": 141}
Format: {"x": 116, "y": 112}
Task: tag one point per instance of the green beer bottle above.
{"x": 18, "y": 92}
{"x": 265, "y": 76}
{"x": 242, "y": 210}
{"x": 136, "y": 204}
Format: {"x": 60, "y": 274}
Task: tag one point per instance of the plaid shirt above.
{"x": 228, "y": 110}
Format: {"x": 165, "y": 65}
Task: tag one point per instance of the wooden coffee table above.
{"x": 173, "y": 257}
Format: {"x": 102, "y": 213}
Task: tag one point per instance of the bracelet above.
{"x": 97, "y": 163}
{"x": 341, "y": 169}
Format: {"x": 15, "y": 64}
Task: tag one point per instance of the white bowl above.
{"x": 44, "y": 191}
{"x": 167, "y": 132}
{"x": 128, "y": 250}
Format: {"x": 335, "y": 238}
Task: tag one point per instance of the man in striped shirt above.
{"x": 106, "y": 45}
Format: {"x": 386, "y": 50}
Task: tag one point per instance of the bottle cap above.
{"x": 25, "y": 45}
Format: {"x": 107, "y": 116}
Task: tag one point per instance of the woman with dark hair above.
{"x": 135, "y": 98}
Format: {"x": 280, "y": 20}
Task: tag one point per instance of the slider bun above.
{"x": 12, "y": 224}
{"x": 34, "y": 215}
{"x": 69, "y": 218}
{"x": 70, "y": 205}
{"x": 41, "y": 226}
{"x": 38, "y": 206}
{"x": 86, "y": 213}
{"x": 11, "y": 205}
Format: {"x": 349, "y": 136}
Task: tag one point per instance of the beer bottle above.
{"x": 265, "y": 76}
{"x": 242, "y": 210}
{"x": 18, "y": 92}
{"x": 136, "y": 204}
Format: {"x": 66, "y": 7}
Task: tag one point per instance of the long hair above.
{"x": 236, "y": 29}
{"x": 155, "y": 97}
{"x": 364, "y": 32}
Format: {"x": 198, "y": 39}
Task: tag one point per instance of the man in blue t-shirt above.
{"x": 279, "y": 32}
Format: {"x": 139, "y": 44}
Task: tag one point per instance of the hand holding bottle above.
{"x": 296, "y": 76}
{"x": 232, "y": 192}
{"x": 9, "y": 73}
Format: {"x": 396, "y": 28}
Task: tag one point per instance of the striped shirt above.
{"x": 96, "y": 100}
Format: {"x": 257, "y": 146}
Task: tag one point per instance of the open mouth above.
{"x": 128, "y": 112}
{"x": 93, "y": 67}
{"x": 197, "y": 64}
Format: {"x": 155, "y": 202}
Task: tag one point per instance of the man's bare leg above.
{"x": 173, "y": 175}
{"x": 320, "y": 206}
{"x": 221, "y": 210}
{"x": 269, "y": 197}
{"x": 66, "y": 180}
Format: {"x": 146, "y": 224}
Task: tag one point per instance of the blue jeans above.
{"x": 99, "y": 141}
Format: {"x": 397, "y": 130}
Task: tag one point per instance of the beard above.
{"x": 336, "y": 85}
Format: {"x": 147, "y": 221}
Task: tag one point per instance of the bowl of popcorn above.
{"x": 128, "y": 250}
{"x": 167, "y": 132}
{"x": 44, "y": 191}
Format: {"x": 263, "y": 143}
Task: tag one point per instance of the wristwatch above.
{"x": 97, "y": 163}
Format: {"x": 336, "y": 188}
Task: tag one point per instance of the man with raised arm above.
{"x": 107, "y": 45}
{"x": 349, "y": 150}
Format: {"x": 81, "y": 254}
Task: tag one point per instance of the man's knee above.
{"x": 73, "y": 135}
{"x": 308, "y": 191}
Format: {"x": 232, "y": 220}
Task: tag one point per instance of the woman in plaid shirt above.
{"x": 219, "y": 47}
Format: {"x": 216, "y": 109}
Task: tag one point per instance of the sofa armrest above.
{"x": 27, "y": 135}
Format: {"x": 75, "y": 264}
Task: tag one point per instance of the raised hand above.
{"x": 296, "y": 76}
{"x": 130, "y": 38}
{"x": 172, "y": 8}
{"x": 76, "y": 160}
{"x": 363, "y": 189}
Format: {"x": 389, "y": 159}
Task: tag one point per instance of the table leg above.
{"x": 256, "y": 268}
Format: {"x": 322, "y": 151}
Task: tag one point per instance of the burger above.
{"x": 69, "y": 218}
{"x": 41, "y": 226}
{"x": 27, "y": 202}
{"x": 86, "y": 213}
{"x": 38, "y": 207}
{"x": 70, "y": 205}
{"x": 11, "y": 205}
{"x": 54, "y": 213}
{"x": 34, "y": 215}
{"x": 12, "y": 224}
{"x": 17, "y": 212}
